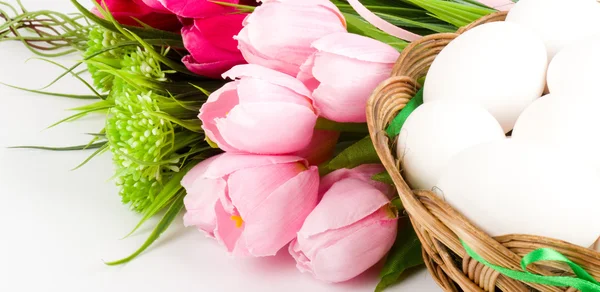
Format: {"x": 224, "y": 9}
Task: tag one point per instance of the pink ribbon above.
{"x": 502, "y": 5}
{"x": 382, "y": 24}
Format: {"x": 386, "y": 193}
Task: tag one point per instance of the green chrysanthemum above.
{"x": 98, "y": 40}
{"x": 142, "y": 143}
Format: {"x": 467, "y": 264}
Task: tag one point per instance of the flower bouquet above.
{"x": 250, "y": 117}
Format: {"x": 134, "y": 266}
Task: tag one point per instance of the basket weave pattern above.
{"x": 437, "y": 224}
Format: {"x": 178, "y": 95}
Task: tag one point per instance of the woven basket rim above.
{"x": 438, "y": 225}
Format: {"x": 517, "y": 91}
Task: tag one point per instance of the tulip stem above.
{"x": 325, "y": 124}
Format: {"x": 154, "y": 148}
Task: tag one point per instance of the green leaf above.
{"x": 361, "y": 152}
{"x": 325, "y": 124}
{"x": 383, "y": 177}
{"x": 164, "y": 223}
{"x": 69, "y": 148}
{"x": 454, "y": 13}
{"x": 396, "y": 125}
{"x": 359, "y": 26}
{"x": 405, "y": 254}
{"x": 169, "y": 191}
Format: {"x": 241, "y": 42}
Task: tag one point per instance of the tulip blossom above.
{"x": 362, "y": 172}
{"x": 264, "y": 112}
{"x": 252, "y": 204}
{"x": 127, "y": 11}
{"x": 211, "y": 45}
{"x": 344, "y": 71}
{"x": 278, "y": 34}
{"x": 351, "y": 229}
{"x": 197, "y": 8}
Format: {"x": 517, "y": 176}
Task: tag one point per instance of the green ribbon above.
{"x": 396, "y": 125}
{"x": 583, "y": 281}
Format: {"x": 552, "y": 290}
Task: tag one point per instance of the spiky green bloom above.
{"x": 142, "y": 142}
{"x": 142, "y": 63}
{"x": 98, "y": 40}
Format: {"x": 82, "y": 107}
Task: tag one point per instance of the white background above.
{"x": 57, "y": 225}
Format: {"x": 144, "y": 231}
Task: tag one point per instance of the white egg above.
{"x": 576, "y": 69}
{"x": 513, "y": 187}
{"x": 437, "y": 131}
{"x": 558, "y": 22}
{"x": 499, "y": 65}
{"x": 569, "y": 123}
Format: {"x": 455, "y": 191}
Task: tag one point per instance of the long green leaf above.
{"x": 361, "y": 152}
{"x": 169, "y": 191}
{"x": 69, "y": 148}
{"x": 405, "y": 254}
{"x": 164, "y": 223}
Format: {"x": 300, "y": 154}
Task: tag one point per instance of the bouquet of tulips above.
{"x": 250, "y": 116}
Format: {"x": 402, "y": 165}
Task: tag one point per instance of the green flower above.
{"x": 142, "y": 143}
{"x": 98, "y": 40}
{"x": 142, "y": 63}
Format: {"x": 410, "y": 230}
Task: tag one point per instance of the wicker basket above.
{"x": 437, "y": 224}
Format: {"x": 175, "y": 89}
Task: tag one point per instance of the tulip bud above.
{"x": 211, "y": 45}
{"x": 264, "y": 112}
{"x": 343, "y": 73}
{"x": 131, "y": 12}
{"x": 278, "y": 33}
{"x": 351, "y": 229}
{"x": 252, "y": 204}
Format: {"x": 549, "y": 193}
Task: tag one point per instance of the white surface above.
{"x": 59, "y": 225}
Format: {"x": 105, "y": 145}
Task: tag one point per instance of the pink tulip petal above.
{"x": 197, "y": 172}
{"x": 266, "y": 74}
{"x": 321, "y": 147}
{"x": 253, "y": 56}
{"x": 362, "y": 172}
{"x": 204, "y": 49}
{"x": 228, "y": 163}
{"x": 211, "y": 69}
{"x": 258, "y": 90}
{"x": 277, "y": 134}
{"x": 347, "y": 202}
{"x": 200, "y": 204}
{"x": 219, "y": 30}
{"x": 285, "y": 30}
{"x": 355, "y": 253}
{"x": 219, "y": 103}
{"x": 302, "y": 261}
{"x": 250, "y": 187}
{"x": 154, "y": 4}
{"x": 357, "y": 47}
{"x": 197, "y": 9}
{"x": 227, "y": 232}
{"x": 275, "y": 222}
{"x": 306, "y": 75}
{"x": 351, "y": 108}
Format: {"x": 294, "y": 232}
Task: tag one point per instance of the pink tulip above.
{"x": 353, "y": 227}
{"x": 253, "y": 205}
{"x": 362, "y": 172}
{"x": 343, "y": 73}
{"x": 321, "y": 147}
{"x": 127, "y": 11}
{"x": 154, "y": 4}
{"x": 264, "y": 112}
{"x": 197, "y": 8}
{"x": 279, "y": 33}
{"x": 211, "y": 45}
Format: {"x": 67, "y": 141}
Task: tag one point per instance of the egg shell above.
{"x": 569, "y": 123}
{"x": 512, "y": 187}
{"x": 576, "y": 69}
{"x": 499, "y": 65}
{"x": 558, "y": 22}
{"x": 435, "y": 132}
